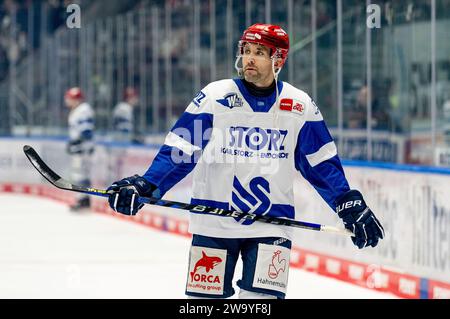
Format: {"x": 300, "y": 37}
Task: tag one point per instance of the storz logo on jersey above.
{"x": 256, "y": 200}
{"x": 231, "y": 100}
{"x": 256, "y": 138}
{"x": 256, "y": 142}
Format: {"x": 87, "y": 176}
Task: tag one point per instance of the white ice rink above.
{"x": 48, "y": 252}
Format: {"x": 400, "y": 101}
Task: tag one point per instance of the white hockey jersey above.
{"x": 81, "y": 128}
{"x": 123, "y": 121}
{"x": 246, "y": 151}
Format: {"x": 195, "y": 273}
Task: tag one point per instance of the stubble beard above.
{"x": 252, "y": 78}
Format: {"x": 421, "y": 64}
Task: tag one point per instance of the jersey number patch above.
{"x": 198, "y": 98}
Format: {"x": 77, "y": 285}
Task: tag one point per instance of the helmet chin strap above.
{"x": 236, "y": 66}
{"x": 275, "y": 72}
{"x": 275, "y": 75}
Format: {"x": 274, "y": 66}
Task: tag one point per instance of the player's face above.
{"x": 133, "y": 100}
{"x": 71, "y": 103}
{"x": 257, "y": 64}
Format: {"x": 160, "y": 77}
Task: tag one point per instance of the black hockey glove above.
{"x": 358, "y": 218}
{"x": 124, "y": 194}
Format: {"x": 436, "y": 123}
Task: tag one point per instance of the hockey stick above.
{"x": 61, "y": 183}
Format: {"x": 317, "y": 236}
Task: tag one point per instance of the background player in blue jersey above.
{"x": 123, "y": 116}
{"x": 247, "y": 139}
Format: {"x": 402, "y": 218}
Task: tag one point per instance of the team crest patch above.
{"x": 231, "y": 100}
{"x": 292, "y": 105}
{"x": 272, "y": 267}
{"x": 206, "y": 270}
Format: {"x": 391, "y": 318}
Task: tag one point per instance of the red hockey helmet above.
{"x": 269, "y": 35}
{"x": 74, "y": 93}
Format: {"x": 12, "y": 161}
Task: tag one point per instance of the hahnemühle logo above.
{"x": 277, "y": 265}
{"x": 272, "y": 267}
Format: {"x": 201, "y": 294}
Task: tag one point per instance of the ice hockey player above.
{"x": 80, "y": 145}
{"x": 248, "y": 137}
{"x": 123, "y": 116}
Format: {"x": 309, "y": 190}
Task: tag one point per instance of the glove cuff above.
{"x": 349, "y": 203}
{"x": 144, "y": 187}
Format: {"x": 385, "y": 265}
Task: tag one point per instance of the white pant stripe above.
{"x": 132, "y": 203}
{"x": 115, "y": 202}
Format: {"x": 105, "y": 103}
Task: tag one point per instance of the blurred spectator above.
{"x": 56, "y": 13}
{"x": 380, "y": 106}
{"x": 357, "y": 114}
{"x": 399, "y": 119}
{"x": 356, "y": 118}
{"x": 3, "y": 63}
{"x": 14, "y": 20}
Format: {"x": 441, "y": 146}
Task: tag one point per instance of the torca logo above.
{"x": 207, "y": 262}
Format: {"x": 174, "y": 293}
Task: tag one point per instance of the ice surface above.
{"x": 46, "y": 251}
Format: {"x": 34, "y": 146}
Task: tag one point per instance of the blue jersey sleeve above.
{"x": 317, "y": 160}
